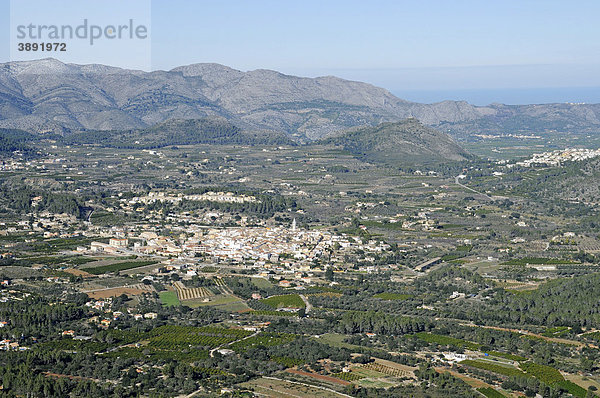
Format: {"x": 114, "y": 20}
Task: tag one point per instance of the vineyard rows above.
{"x": 185, "y": 293}
{"x": 348, "y": 376}
{"x": 388, "y": 370}
{"x": 220, "y": 282}
{"x": 287, "y": 361}
{"x": 502, "y": 370}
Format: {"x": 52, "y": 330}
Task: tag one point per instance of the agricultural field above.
{"x": 284, "y": 301}
{"x": 325, "y": 294}
{"x": 78, "y": 272}
{"x": 584, "y": 381}
{"x": 337, "y": 340}
{"x": 389, "y": 368}
{"x": 171, "y": 338}
{"x": 117, "y": 291}
{"x": 543, "y": 373}
{"x": 185, "y": 293}
{"x": 495, "y": 368}
{"x": 375, "y": 383}
{"x": 558, "y": 331}
{"x": 287, "y": 361}
{"x": 225, "y": 302}
{"x": 367, "y": 373}
{"x": 392, "y": 296}
{"x": 262, "y": 283}
{"x": 276, "y": 388}
{"x": 118, "y": 266}
{"x": 348, "y": 376}
{"x": 318, "y": 378}
{"x": 169, "y": 298}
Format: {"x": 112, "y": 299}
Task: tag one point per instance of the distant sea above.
{"x": 513, "y": 96}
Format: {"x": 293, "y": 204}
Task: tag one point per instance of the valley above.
{"x": 291, "y": 269}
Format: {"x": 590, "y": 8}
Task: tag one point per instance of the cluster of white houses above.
{"x": 556, "y": 158}
{"x": 281, "y": 245}
{"x": 223, "y": 197}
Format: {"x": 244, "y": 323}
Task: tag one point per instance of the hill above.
{"x": 15, "y": 141}
{"x": 408, "y": 141}
{"x": 177, "y": 132}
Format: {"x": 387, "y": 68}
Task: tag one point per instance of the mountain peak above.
{"x": 41, "y": 66}
{"x": 201, "y": 69}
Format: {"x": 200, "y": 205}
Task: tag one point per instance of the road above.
{"x": 212, "y": 352}
{"x": 576, "y": 343}
{"x": 308, "y": 304}
{"x": 456, "y": 181}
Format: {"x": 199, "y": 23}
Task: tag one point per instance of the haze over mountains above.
{"x": 47, "y": 95}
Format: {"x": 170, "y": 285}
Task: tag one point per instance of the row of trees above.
{"x": 381, "y": 323}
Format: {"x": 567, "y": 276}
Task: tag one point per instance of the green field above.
{"x": 169, "y": 298}
{"x": 271, "y": 388}
{"x": 543, "y": 373}
{"x": 223, "y": 302}
{"x": 337, "y": 340}
{"x": 103, "y": 269}
{"x": 374, "y": 383}
{"x": 392, "y": 296}
{"x": 557, "y": 331}
{"x": 261, "y": 283}
{"x": 572, "y": 388}
{"x": 285, "y": 301}
{"x": 492, "y": 367}
{"x": 505, "y": 355}
{"x": 170, "y": 342}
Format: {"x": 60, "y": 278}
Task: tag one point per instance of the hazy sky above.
{"x": 429, "y": 50}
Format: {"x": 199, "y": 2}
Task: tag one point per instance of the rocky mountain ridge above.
{"x": 48, "y": 95}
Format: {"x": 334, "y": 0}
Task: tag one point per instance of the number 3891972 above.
{"x": 42, "y": 46}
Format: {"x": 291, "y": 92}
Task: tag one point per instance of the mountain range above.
{"x": 49, "y": 96}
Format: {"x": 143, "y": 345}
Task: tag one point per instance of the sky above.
{"x": 511, "y": 51}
